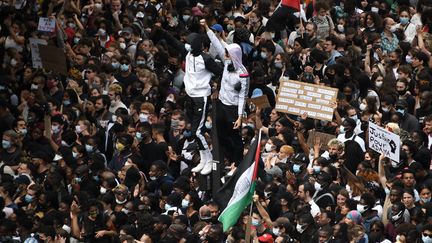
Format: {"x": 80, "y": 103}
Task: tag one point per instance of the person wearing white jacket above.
{"x": 234, "y": 87}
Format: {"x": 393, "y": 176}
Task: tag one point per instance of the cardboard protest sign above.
{"x": 260, "y": 102}
{"x": 36, "y": 59}
{"x": 324, "y": 138}
{"x": 53, "y": 58}
{"x": 383, "y": 141}
{"x": 46, "y": 24}
{"x": 298, "y": 97}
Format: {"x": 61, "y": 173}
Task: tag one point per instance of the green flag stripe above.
{"x": 241, "y": 197}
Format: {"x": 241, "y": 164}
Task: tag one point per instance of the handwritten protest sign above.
{"x": 298, "y": 97}
{"x": 324, "y": 138}
{"x": 261, "y": 102}
{"x": 53, "y": 58}
{"x": 36, "y": 59}
{"x": 383, "y": 141}
{"x": 46, "y": 24}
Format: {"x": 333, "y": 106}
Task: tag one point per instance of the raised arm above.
{"x": 214, "y": 40}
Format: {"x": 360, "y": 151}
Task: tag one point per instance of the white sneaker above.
{"x": 208, "y": 163}
{"x": 201, "y": 164}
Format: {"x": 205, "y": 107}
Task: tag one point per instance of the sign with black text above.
{"x": 383, "y": 141}
{"x": 296, "y": 98}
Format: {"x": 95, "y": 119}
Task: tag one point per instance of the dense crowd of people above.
{"x": 120, "y": 147}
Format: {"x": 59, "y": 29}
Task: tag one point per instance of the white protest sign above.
{"x": 36, "y": 59}
{"x": 296, "y": 98}
{"x": 46, "y": 24}
{"x": 383, "y": 141}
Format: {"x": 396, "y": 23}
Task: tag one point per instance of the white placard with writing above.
{"x": 36, "y": 59}
{"x": 46, "y": 24}
{"x": 296, "y": 98}
{"x": 383, "y": 141}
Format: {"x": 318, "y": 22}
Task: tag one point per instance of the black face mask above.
{"x": 401, "y": 92}
{"x": 231, "y": 68}
{"x": 333, "y": 157}
{"x": 348, "y": 97}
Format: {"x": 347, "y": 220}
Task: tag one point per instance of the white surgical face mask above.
{"x": 361, "y": 208}
{"x": 102, "y": 190}
{"x": 426, "y": 239}
{"x": 378, "y": 84}
{"x": 300, "y": 228}
{"x": 341, "y": 28}
{"x": 363, "y": 106}
{"x": 374, "y": 9}
{"x": 275, "y": 231}
{"x": 143, "y": 117}
{"x": 122, "y": 46}
{"x": 317, "y": 186}
{"x": 268, "y": 147}
{"x": 188, "y": 47}
{"x": 185, "y": 203}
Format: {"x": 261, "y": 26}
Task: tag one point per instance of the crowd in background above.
{"x": 119, "y": 148}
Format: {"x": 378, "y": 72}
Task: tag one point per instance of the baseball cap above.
{"x": 256, "y": 93}
{"x": 217, "y": 27}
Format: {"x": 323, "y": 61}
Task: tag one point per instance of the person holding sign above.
{"x": 234, "y": 87}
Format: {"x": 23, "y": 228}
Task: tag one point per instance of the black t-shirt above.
{"x": 150, "y": 152}
{"x": 126, "y": 81}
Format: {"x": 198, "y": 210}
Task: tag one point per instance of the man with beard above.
{"x": 102, "y": 115}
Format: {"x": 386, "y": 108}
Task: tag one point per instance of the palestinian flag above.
{"x": 237, "y": 193}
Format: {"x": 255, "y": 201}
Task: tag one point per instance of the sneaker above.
{"x": 208, "y": 163}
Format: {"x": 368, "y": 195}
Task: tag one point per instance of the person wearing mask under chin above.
{"x": 233, "y": 90}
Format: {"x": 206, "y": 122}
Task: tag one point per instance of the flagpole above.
{"x": 249, "y": 219}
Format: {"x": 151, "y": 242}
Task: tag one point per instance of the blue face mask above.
{"x": 185, "y": 203}
{"x": 140, "y": 62}
{"x": 88, "y": 148}
{"x": 187, "y": 134}
{"x": 401, "y": 111}
{"x": 167, "y": 207}
{"x": 96, "y": 178}
{"x": 115, "y": 65}
{"x": 296, "y": 168}
{"x": 28, "y": 198}
{"x": 404, "y": 20}
{"x": 425, "y": 200}
{"x": 255, "y": 222}
{"x": 186, "y": 17}
{"x": 263, "y": 55}
{"x": 78, "y": 179}
{"x": 124, "y": 67}
{"x": 355, "y": 118}
{"x": 75, "y": 155}
{"x": 66, "y": 102}
{"x": 138, "y": 136}
{"x": 6, "y": 144}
